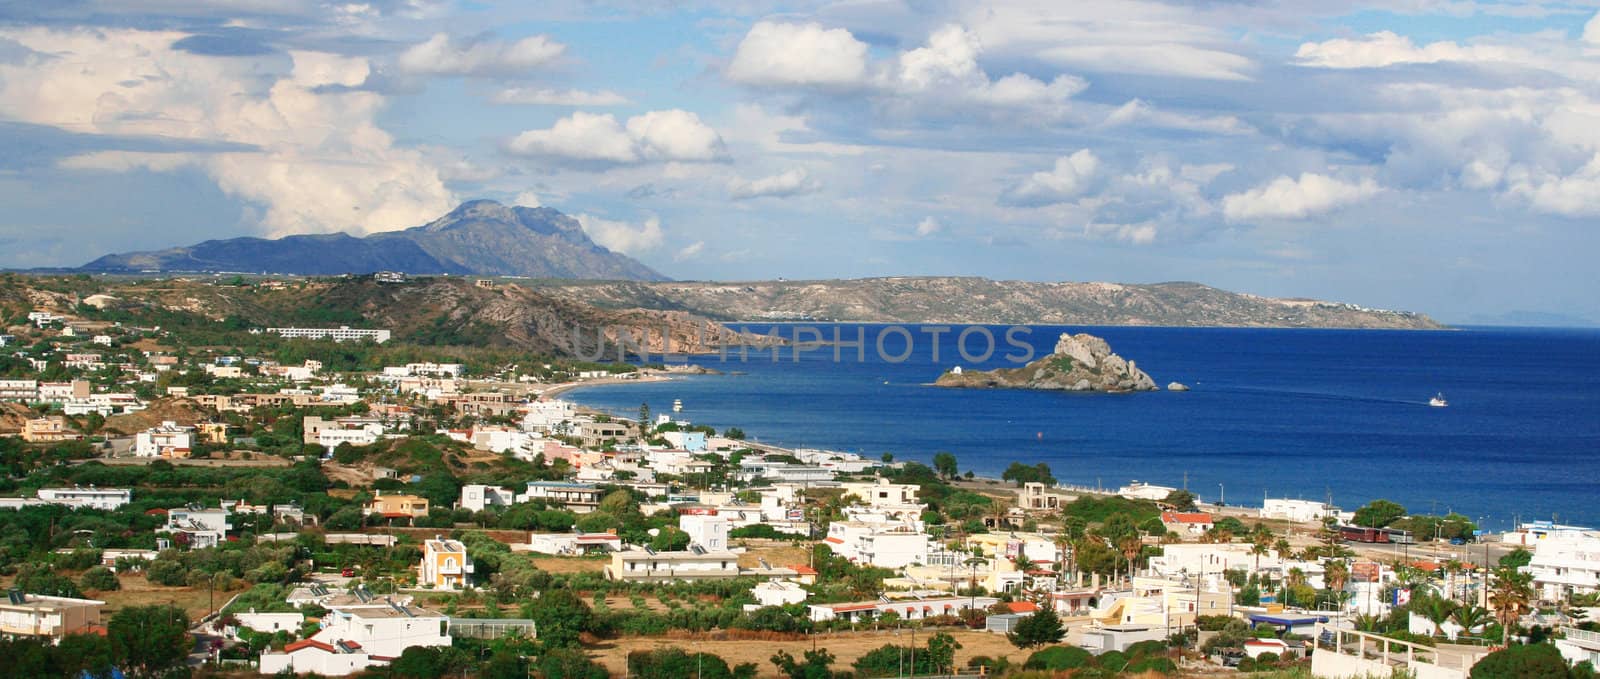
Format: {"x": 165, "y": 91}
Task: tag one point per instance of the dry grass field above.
{"x": 846, "y": 647}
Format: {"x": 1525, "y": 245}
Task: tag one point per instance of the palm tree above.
{"x": 1282, "y": 547}
{"x": 1131, "y": 546}
{"x": 1258, "y": 548}
{"x": 1437, "y": 610}
{"x": 1509, "y": 596}
{"x": 1471, "y": 616}
{"x": 1337, "y": 574}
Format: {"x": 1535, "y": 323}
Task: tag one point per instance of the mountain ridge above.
{"x": 477, "y": 237}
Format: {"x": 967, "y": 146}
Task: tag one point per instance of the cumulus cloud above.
{"x": 945, "y": 69}
{"x": 1290, "y": 198}
{"x": 623, "y": 237}
{"x": 671, "y": 135}
{"x": 777, "y": 53}
{"x": 791, "y": 182}
{"x": 1067, "y": 180}
{"x": 552, "y": 97}
{"x": 1170, "y": 59}
{"x": 443, "y": 55}
{"x": 275, "y": 124}
{"x": 526, "y": 199}
{"x": 1576, "y": 194}
{"x": 928, "y": 227}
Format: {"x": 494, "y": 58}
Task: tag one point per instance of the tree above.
{"x": 1043, "y": 627}
{"x": 1524, "y": 661}
{"x": 1020, "y": 473}
{"x": 945, "y": 463}
{"x": 1181, "y": 500}
{"x": 942, "y": 651}
{"x": 560, "y": 616}
{"x": 149, "y": 640}
{"x": 1471, "y": 617}
{"x": 1438, "y": 610}
{"x": 1508, "y": 597}
{"x": 1517, "y": 558}
{"x": 818, "y": 665}
{"x": 1058, "y": 658}
{"x": 1379, "y": 513}
{"x": 570, "y": 663}
{"x": 1336, "y": 573}
{"x": 100, "y": 578}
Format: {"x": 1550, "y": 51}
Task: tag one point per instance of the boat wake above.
{"x": 1319, "y": 395}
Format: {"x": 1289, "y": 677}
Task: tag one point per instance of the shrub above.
{"x": 1114, "y": 661}
{"x": 1059, "y": 658}
{"x": 100, "y": 578}
{"x": 1517, "y": 662}
{"x": 1159, "y": 664}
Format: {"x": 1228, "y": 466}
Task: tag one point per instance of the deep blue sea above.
{"x": 1280, "y": 413}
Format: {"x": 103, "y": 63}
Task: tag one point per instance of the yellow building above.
{"x": 445, "y": 563}
{"x": 47, "y": 430}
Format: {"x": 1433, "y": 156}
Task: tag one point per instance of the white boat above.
{"x": 677, "y": 405}
{"x": 1438, "y": 401}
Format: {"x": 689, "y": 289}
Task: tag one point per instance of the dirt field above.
{"x": 136, "y": 591}
{"x": 777, "y": 553}
{"x": 570, "y": 564}
{"x": 846, "y": 647}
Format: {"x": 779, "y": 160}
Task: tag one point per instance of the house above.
{"x": 1036, "y": 496}
{"x": 200, "y": 528}
{"x": 19, "y": 390}
{"x": 572, "y": 544}
{"x": 778, "y": 593}
{"x": 61, "y": 392}
{"x": 477, "y": 497}
{"x": 52, "y": 617}
{"x": 578, "y": 497}
{"x": 907, "y": 609}
{"x": 396, "y": 506}
{"x": 91, "y": 497}
{"x": 877, "y": 544}
{"x": 781, "y": 472}
{"x": 596, "y": 434}
{"x": 169, "y": 439}
{"x": 1187, "y": 524}
{"x": 356, "y": 431}
{"x": 48, "y": 430}
{"x": 705, "y": 530}
{"x": 357, "y": 637}
{"x": 882, "y": 494}
{"x": 212, "y": 432}
{"x": 445, "y": 564}
{"x": 266, "y": 622}
{"x": 692, "y": 441}
{"x": 647, "y": 565}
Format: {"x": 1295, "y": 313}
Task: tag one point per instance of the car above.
{"x": 348, "y": 572}
{"x": 1458, "y": 541}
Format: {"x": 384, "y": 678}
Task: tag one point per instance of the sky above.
{"x": 1428, "y": 155}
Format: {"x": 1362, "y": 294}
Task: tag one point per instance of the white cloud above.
{"x": 621, "y": 236}
{"x": 1135, "y": 234}
{"x": 1386, "y": 48}
{"x": 1289, "y": 198}
{"x": 1169, "y": 59}
{"x": 671, "y": 135}
{"x": 1137, "y": 112}
{"x": 948, "y": 67}
{"x": 550, "y": 97}
{"x": 526, "y": 199}
{"x": 442, "y": 55}
{"x": 776, "y": 53}
{"x": 690, "y": 251}
{"x": 1591, "y": 30}
{"x": 928, "y": 227}
{"x": 1571, "y": 195}
{"x": 791, "y": 182}
{"x": 274, "y": 127}
{"x": 1067, "y": 180}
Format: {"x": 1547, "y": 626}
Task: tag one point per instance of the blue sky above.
{"x": 1435, "y": 156}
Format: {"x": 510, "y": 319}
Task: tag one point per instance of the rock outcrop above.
{"x": 1080, "y": 362}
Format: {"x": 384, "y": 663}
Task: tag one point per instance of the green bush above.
{"x": 100, "y": 578}
{"x": 1159, "y": 664}
{"x": 1059, "y": 658}
{"x": 1522, "y": 662}
{"x": 1114, "y": 661}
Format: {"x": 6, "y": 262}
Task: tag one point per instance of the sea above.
{"x": 1338, "y": 415}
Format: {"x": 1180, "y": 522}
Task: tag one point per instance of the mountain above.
{"x": 981, "y": 300}
{"x": 1080, "y": 362}
{"x": 480, "y": 237}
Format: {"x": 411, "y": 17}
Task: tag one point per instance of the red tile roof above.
{"x": 307, "y": 643}
{"x": 1185, "y": 517}
{"x": 1022, "y": 606}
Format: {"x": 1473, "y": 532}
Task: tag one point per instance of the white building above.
{"x": 1566, "y": 563}
{"x": 1144, "y": 491}
{"x": 478, "y": 497}
{"x": 355, "y": 638}
{"x": 645, "y": 565}
{"x": 705, "y": 530}
{"x": 266, "y": 622}
{"x": 53, "y": 617}
{"x": 339, "y": 334}
{"x": 356, "y": 431}
{"x": 572, "y": 544}
{"x": 778, "y": 593}
{"x": 169, "y": 439}
{"x": 204, "y": 527}
{"x": 1298, "y": 511}
{"x": 907, "y": 609}
{"x": 881, "y": 545}
{"x": 91, "y": 497}
{"x": 547, "y": 416}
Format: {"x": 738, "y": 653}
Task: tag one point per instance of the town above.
{"x": 208, "y": 496}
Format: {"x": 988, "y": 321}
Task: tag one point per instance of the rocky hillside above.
{"x": 980, "y": 300}
{"x": 1080, "y": 362}
{"x": 432, "y": 311}
{"x": 480, "y": 237}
